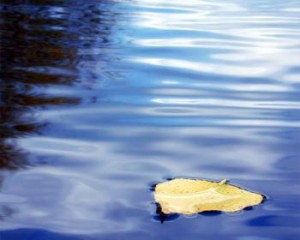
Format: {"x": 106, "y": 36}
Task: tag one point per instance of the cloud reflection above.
{"x": 223, "y": 69}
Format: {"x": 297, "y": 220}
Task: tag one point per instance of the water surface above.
{"x": 102, "y": 99}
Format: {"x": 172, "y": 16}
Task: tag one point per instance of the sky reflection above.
{"x": 102, "y": 99}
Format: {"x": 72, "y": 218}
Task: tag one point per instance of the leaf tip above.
{"x": 223, "y": 182}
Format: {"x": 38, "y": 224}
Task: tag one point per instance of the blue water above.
{"x": 102, "y": 99}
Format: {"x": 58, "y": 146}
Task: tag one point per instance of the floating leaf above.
{"x": 188, "y": 196}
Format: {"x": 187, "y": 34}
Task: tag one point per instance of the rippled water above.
{"x": 102, "y": 99}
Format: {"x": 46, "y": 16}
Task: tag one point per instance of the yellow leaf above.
{"x": 188, "y": 196}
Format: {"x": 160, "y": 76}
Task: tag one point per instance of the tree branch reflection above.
{"x": 40, "y": 42}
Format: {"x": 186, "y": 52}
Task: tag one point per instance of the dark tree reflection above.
{"x": 40, "y": 43}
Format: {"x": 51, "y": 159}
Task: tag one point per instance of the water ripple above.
{"x": 100, "y": 99}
